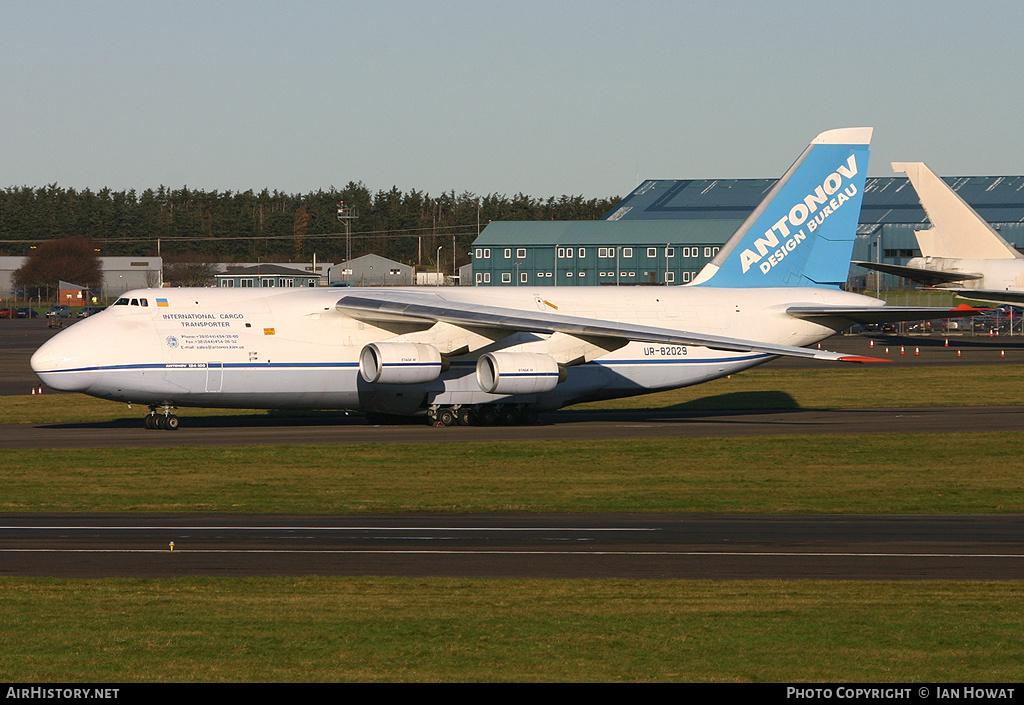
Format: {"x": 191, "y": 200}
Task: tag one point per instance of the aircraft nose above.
{"x": 60, "y": 365}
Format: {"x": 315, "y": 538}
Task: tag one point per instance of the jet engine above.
{"x": 518, "y": 373}
{"x": 401, "y": 363}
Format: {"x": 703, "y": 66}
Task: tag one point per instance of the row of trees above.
{"x": 241, "y": 226}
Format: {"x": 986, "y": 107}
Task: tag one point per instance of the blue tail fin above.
{"x": 802, "y": 233}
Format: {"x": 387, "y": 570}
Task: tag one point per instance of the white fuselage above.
{"x": 292, "y": 348}
{"x": 997, "y": 274}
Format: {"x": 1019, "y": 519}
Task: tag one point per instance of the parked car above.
{"x": 59, "y": 311}
{"x": 89, "y": 310}
{"x": 7, "y": 313}
{"x": 27, "y": 312}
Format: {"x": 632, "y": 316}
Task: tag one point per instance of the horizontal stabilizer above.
{"x": 928, "y": 277}
{"x": 991, "y": 296}
{"x": 881, "y": 314}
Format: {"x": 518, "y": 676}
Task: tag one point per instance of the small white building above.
{"x": 370, "y": 270}
{"x": 119, "y": 274}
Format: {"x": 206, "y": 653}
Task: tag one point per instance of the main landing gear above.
{"x": 483, "y": 415}
{"x": 165, "y": 421}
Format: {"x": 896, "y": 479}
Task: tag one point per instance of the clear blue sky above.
{"x": 543, "y": 98}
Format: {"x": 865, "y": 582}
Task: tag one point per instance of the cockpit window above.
{"x": 135, "y": 302}
{"x": 144, "y": 302}
{"x": 121, "y": 302}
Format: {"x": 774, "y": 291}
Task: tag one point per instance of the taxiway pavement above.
{"x": 562, "y": 425}
{"x": 831, "y": 547}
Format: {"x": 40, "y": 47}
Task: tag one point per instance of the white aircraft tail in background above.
{"x": 960, "y": 252}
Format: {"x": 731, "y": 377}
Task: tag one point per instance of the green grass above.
{"x": 875, "y": 473}
{"x": 845, "y": 387}
{"x": 448, "y": 630}
{"x": 443, "y": 630}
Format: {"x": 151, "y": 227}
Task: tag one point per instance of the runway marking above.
{"x": 316, "y": 528}
{"x": 744, "y": 554}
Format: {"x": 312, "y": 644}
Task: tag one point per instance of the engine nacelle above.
{"x": 401, "y": 363}
{"x": 518, "y": 373}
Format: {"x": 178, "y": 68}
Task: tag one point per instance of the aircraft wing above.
{"x": 391, "y": 306}
{"x": 882, "y": 314}
{"x": 928, "y": 277}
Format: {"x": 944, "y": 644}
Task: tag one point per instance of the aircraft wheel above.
{"x": 488, "y": 415}
{"x": 150, "y": 422}
{"x": 445, "y": 417}
{"x": 466, "y": 416}
{"x": 509, "y": 415}
{"x": 171, "y": 422}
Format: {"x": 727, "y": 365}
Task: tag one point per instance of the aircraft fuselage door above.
{"x": 214, "y": 376}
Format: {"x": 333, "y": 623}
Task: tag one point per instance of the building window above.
{"x": 266, "y": 282}
{"x": 583, "y": 274}
{"x": 479, "y": 252}
{"x": 686, "y": 277}
{"x": 479, "y": 277}
{"x": 520, "y": 252}
{"x": 227, "y": 283}
{"x": 487, "y": 277}
{"x": 581, "y": 252}
{"x": 245, "y": 282}
{"x": 670, "y": 252}
{"x": 627, "y": 251}
{"x": 670, "y": 277}
{"x": 487, "y": 253}
{"x": 652, "y": 251}
{"x": 508, "y": 253}
{"x": 506, "y": 277}
{"x": 603, "y": 252}
{"x": 523, "y": 277}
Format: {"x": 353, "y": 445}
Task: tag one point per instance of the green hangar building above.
{"x": 665, "y": 231}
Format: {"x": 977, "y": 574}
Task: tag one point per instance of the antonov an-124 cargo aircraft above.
{"x": 494, "y": 354}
